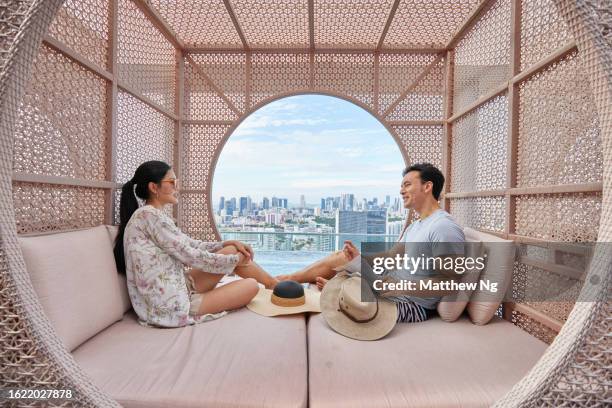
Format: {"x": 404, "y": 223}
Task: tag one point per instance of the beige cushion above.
{"x": 239, "y": 360}
{"x": 75, "y": 277}
{"x": 499, "y": 265}
{"x": 113, "y": 230}
{"x": 452, "y": 306}
{"x": 427, "y": 364}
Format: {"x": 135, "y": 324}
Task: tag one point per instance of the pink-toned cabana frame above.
{"x": 507, "y": 96}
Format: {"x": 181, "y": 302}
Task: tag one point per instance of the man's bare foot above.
{"x": 321, "y": 282}
{"x": 272, "y": 283}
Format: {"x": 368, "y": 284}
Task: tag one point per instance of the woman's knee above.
{"x": 228, "y": 250}
{"x": 251, "y": 287}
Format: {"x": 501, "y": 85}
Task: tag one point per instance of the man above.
{"x": 434, "y": 234}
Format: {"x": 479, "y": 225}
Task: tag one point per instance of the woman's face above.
{"x": 167, "y": 189}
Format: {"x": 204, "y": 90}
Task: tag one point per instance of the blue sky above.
{"x": 314, "y": 145}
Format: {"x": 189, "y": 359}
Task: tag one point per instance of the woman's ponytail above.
{"x": 151, "y": 171}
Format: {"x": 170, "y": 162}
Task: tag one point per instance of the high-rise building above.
{"x": 265, "y": 203}
{"x": 283, "y": 202}
{"x": 347, "y": 202}
{"x": 275, "y": 202}
{"x": 221, "y": 203}
{"x": 243, "y": 205}
{"x": 249, "y": 204}
{"x": 350, "y": 222}
{"x": 387, "y": 201}
{"x": 233, "y": 203}
{"x": 302, "y": 201}
{"x": 376, "y": 222}
{"x": 322, "y": 204}
{"x": 229, "y": 207}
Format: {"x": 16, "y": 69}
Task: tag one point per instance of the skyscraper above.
{"x": 302, "y": 201}
{"x": 221, "y": 203}
{"x": 274, "y": 202}
{"x": 322, "y": 204}
{"x": 265, "y": 203}
{"x": 243, "y": 205}
{"x": 387, "y": 201}
{"x": 349, "y": 222}
{"x": 376, "y": 222}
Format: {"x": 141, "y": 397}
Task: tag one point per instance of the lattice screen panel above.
{"x": 62, "y": 129}
{"x": 194, "y": 208}
{"x": 397, "y": 72}
{"x": 427, "y": 24}
{"x": 426, "y": 100}
{"x": 274, "y": 74}
{"x": 543, "y": 31}
{"x": 559, "y": 132}
{"x": 199, "y": 23}
{"x": 421, "y": 143}
{"x": 482, "y": 57}
{"x": 146, "y": 60}
{"x": 201, "y": 143}
{"x": 201, "y": 100}
{"x": 479, "y": 143}
{"x": 143, "y": 134}
{"x": 349, "y": 24}
{"x": 83, "y": 26}
{"x": 227, "y": 72}
{"x": 559, "y": 217}
{"x": 47, "y": 207}
{"x": 273, "y": 23}
{"x": 347, "y": 74}
{"x": 488, "y": 213}
{"x": 532, "y": 327}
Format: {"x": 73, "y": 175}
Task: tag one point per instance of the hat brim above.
{"x": 261, "y": 304}
{"x": 375, "y": 329}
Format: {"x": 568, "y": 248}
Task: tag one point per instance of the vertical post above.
{"x": 311, "y": 69}
{"x": 249, "y": 82}
{"x": 447, "y": 133}
{"x": 111, "y": 113}
{"x": 178, "y": 128}
{"x": 513, "y": 115}
{"x": 376, "y": 81}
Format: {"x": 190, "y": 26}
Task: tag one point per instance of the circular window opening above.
{"x": 303, "y": 174}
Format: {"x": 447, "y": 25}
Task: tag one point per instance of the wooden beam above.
{"x": 376, "y": 98}
{"x": 248, "y": 94}
{"x": 482, "y": 8}
{"x": 208, "y": 122}
{"x": 215, "y": 88}
{"x": 178, "y": 128}
{"x": 158, "y": 21}
{"x": 136, "y": 94}
{"x": 311, "y": 33}
{"x": 413, "y": 85}
{"x": 551, "y": 189}
{"x": 561, "y": 270}
{"x": 281, "y": 50}
{"x": 482, "y": 193}
{"x": 571, "y": 247}
{"x": 78, "y": 58}
{"x": 447, "y": 145}
{"x": 538, "y": 316}
{"x": 111, "y": 112}
{"x": 381, "y": 41}
{"x": 232, "y": 15}
{"x": 65, "y": 181}
{"x": 558, "y": 54}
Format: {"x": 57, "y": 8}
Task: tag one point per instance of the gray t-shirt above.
{"x": 436, "y": 235}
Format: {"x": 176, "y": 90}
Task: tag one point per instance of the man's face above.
{"x": 414, "y": 192}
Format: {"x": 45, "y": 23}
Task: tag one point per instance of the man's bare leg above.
{"x": 322, "y": 268}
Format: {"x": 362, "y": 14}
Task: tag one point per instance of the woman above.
{"x": 153, "y": 253}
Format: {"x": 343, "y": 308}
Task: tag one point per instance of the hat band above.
{"x": 288, "y": 302}
{"x": 358, "y": 320}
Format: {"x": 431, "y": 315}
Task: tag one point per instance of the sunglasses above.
{"x": 174, "y": 182}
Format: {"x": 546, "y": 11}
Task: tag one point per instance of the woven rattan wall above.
{"x": 500, "y": 94}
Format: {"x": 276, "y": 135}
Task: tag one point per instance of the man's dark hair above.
{"x": 428, "y": 172}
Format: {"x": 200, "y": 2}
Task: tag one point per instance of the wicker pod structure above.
{"x": 121, "y": 73}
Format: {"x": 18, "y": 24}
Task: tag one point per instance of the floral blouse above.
{"x": 156, "y": 252}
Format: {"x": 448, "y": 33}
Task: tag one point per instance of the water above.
{"x": 283, "y": 262}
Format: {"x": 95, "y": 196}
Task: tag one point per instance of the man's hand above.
{"x": 350, "y": 251}
{"x": 243, "y": 248}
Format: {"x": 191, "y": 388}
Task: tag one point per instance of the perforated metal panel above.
{"x": 201, "y": 144}
{"x": 274, "y": 74}
{"x": 227, "y": 72}
{"x": 479, "y": 148}
{"x": 488, "y": 213}
{"x": 146, "y": 60}
{"x": 62, "y": 128}
{"x": 421, "y": 143}
{"x": 482, "y": 57}
{"x": 559, "y": 132}
{"x": 346, "y": 74}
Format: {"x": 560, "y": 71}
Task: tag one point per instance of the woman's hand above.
{"x": 350, "y": 251}
{"x": 244, "y": 249}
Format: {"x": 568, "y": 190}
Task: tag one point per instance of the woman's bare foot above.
{"x": 321, "y": 282}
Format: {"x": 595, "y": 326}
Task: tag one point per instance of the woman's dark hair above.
{"x": 151, "y": 171}
{"x": 428, "y": 172}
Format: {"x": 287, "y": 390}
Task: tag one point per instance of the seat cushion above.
{"x": 500, "y": 255}
{"x": 75, "y": 277}
{"x": 240, "y": 360}
{"x": 427, "y": 364}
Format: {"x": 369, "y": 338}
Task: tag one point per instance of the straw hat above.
{"x": 288, "y": 297}
{"x": 345, "y": 312}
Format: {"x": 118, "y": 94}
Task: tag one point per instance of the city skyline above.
{"x": 312, "y": 145}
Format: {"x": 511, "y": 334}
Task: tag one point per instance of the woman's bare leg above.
{"x": 252, "y": 270}
{"x": 322, "y": 268}
{"x": 227, "y": 297}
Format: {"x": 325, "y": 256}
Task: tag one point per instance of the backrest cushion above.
{"x": 499, "y": 265}
{"x": 451, "y": 307}
{"x": 75, "y": 277}
{"x": 113, "y": 230}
